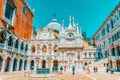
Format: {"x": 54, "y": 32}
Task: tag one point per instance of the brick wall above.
{"x": 22, "y": 22}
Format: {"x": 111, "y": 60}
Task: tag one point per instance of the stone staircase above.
{"x": 99, "y": 64}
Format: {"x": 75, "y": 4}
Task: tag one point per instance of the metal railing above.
{"x": 9, "y": 47}
{"x": 2, "y": 45}
{"x": 70, "y": 45}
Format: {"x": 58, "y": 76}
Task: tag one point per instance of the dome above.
{"x": 54, "y": 25}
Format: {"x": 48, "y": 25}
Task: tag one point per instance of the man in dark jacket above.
{"x": 73, "y": 70}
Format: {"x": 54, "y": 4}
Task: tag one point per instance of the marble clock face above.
{"x": 70, "y": 35}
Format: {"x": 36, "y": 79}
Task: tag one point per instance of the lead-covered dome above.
{"x": 54, "y": 25}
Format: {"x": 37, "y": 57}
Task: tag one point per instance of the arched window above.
{"x": 55, "y": 48}
{"x": 32, "y": 48}
{"x": 78, "y": 56}
{"x": 32, "y": 65}
{"x": 2, "y": 36}
{"x": 10, "y": 41}
{"x": 22, "y": 46}
{"x": 17, "y": 44}
{"x": 1, "y": 62}
{"x": 7, "y": 65}
{"x": 85, "y": 55}
{"x": 26, "y": 48}
{"x": 113, "y": 51}
{"x": 9, "y": 10}
{"x": 24, "y": 10}
{"x": 89, "y": 55}
{"x": 44, "y": 48}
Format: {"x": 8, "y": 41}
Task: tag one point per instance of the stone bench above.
{"x": 43, "y": 71}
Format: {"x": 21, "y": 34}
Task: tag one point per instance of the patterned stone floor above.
{"x": 65, "y": 76}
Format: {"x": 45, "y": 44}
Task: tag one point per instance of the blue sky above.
{"x": 90, "y": 13}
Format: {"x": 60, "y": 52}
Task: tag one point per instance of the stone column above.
{"x": 19, "y": 50}
{"x": 28, "y": 65}
{"x": 6, "y": 44}
{"x": 35, "y": 65}
{"x": 23, "y": 63}
{"x": 13, "y": 48}
{"x": 3, "y": 65}
{"x": 40, "y": 64}
{"x": 18, "y": 63}
{"x": 11, "y": 65}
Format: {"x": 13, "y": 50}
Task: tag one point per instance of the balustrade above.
{"x": 9, "y": 47}
{"x": 2, "y": 45}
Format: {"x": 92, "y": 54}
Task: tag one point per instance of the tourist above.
{"x": 94, "y": 69}
{"x": 65, "y": 68}
{"x": 73, "y": 70}
{"x": 112, "y": 70}
{"x": 88, "y": 70}
{"x": 61, "y": 69}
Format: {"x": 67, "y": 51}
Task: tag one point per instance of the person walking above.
{"x": 65, "y": 68}
{"x": 112, "y": 70}
{"x": 61, "y": 69}
{"x": 94, "y": 69}
{"x": 73, "y": 70}
{"x": 88, "y": 70}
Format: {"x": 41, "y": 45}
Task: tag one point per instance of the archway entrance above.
{"x": 55, "y": 65}
{"x": 25, "y": 64}
{"x": 118, "y": 65}
{"x": 32, "y": 65}
{"x": 2, "y": 36}
{"x": 118, "y": 50}
{"x": 43, "y": 63}
{"x": 20, "y": 66}
{"x": 1, "y": 61}
{"x": 15, "y": 64}
{"x": 8, "y": 62}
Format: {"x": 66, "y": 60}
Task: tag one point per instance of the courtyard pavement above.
{"x": 65, "y": 76}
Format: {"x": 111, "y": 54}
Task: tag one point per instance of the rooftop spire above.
{"x": 63, "y": 23}
{"x": 54, "y": 18}
{"x": 70, "y": 24}
{"x": 77, "y": 26}
{"x": 73, "y": 21}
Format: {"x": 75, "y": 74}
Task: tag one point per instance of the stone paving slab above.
{"x": 64, "y": 76}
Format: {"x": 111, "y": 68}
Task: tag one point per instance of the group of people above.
{"x": 61, "y": 70}
{"x": 95, "y": 69}
{"x": 110, "y": 69}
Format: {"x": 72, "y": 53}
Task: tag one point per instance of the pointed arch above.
{"x": 17, "y": 43}
{"x": 33, "y": 49}
{"x": 20, "y": 65}
{"x": 25, "y": 64}
{"x": 15, "y": 64}
{"x": 1, "y": 61}
{"x": 55, "y": 48}
{"x": 43, "y": 63}
{"x": 8, "y": 62}
{"x": 2, "y": 36}
{"x": 32, "y": 65}
{"x": 22, "y": 46}
{"x": 44, "y": 48}
{"x": 10, "y": 41}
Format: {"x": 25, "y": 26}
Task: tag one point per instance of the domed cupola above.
{"x": 54, "y": 25}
